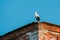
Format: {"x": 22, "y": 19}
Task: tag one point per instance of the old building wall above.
{"x": 20, "y": 34}
{"x": 48, "y": 32}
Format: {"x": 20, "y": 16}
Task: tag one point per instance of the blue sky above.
{"x": 16, "y": 13}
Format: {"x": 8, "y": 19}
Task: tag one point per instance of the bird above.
{"x": 37, "y": 16}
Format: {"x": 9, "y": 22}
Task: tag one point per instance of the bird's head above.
{"x": 36, "y": 14}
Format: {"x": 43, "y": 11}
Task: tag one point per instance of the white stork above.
{"x": 37, "y": 16}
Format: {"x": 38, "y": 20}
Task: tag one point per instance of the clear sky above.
{"x": 16, "y": 13}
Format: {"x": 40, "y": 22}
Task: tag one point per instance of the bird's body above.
{"x": 37, "y": 16}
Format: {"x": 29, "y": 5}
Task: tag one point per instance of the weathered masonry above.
{"x": 48, "y": 31}
{"x": 34, "y": 31}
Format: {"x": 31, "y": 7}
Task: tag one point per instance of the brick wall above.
{"x": 48, "y": 31}
{"x": 20, "y": 33}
